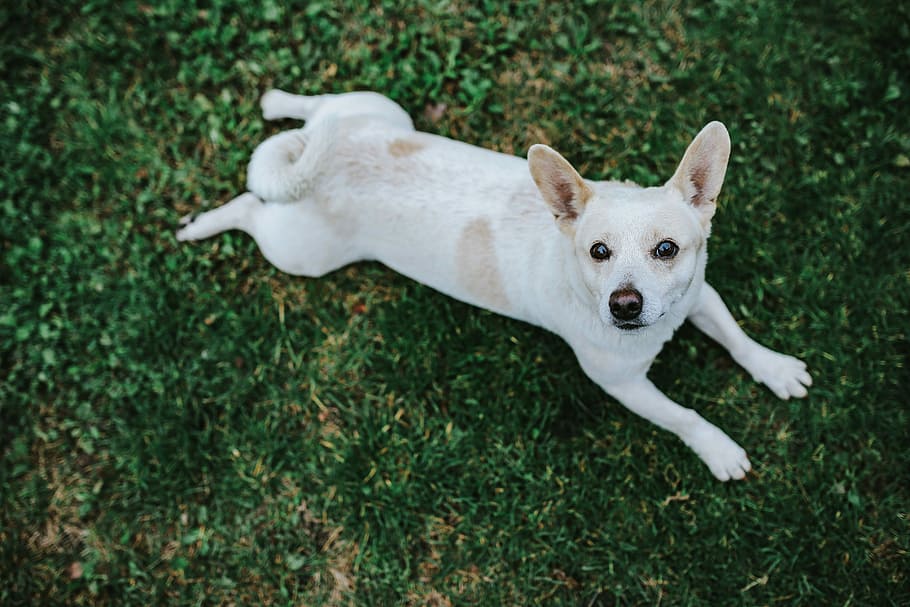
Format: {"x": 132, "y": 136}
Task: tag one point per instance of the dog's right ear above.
{"x": 562, "y": 188}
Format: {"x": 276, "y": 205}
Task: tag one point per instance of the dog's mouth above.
{"x": 636, "y": 324}
{"x": 629, "y": 326}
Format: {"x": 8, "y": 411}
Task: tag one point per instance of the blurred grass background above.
{"x": 184, "y": 425}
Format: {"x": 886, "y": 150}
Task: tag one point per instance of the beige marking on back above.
{"x": 404, "y": 147}
{"x": 477, "y": 267}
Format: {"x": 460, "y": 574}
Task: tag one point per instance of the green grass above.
{"x": 185, "y": 425}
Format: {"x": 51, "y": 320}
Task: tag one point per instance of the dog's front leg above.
{"x": 723, "y": 456}
{"x": 786, "y": 376}
{"x": 626, "y": 381}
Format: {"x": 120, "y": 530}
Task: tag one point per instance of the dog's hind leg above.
{"x": 277, "y": 105}
{"x": 234, "y": 215}
{"x": 297, "y": 238}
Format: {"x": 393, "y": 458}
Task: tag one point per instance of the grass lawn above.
{"x": 185, "y": 425}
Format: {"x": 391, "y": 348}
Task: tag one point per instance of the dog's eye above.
{"x": 666, "y": 250}
{"x": 599, "y": 251}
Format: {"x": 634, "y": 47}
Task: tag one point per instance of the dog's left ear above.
{"x": 700, "y": 174}
{"x": 562, "y": 188}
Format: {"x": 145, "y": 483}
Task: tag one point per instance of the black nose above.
{"x": 625, "y": 304}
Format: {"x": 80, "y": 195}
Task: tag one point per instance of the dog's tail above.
{"x": 286, "y": 167}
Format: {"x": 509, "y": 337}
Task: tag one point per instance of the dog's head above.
{"x": 638, "y": 250}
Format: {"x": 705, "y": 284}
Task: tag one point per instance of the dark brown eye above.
{"x": 599, "y": 251}
{"x": 666, "y": 250}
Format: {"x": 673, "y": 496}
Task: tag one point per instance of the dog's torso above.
{"x": 467, "y": 221}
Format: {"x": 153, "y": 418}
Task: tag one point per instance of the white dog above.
{"x": 612, "y": 268}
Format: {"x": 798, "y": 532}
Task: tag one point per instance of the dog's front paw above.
{"x": 724, "y": 457}
{"x": 786, "y": 376}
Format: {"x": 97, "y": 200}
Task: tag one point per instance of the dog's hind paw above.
{"x": 723, "y": 456}
{"x": 277, "y": 104}
{"x": 186, "y": 228}
{"x": 786, "y": 376}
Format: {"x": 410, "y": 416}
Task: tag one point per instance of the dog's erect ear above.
{"x": 563, "y": 189}
{"x": 701, "y": 172}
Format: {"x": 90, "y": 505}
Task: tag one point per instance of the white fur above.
{"x": 507, "y": 234}
{"x": 287, "y": 166}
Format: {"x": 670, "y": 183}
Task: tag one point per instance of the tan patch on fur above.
{"x": 477, "y": 269}
{"x": 404, "y": 147}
